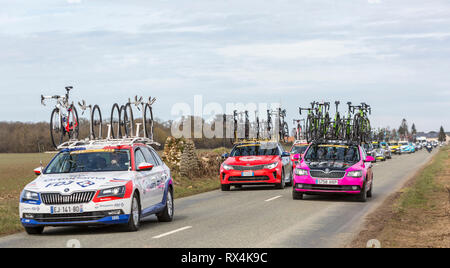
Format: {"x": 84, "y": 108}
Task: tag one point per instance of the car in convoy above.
{"x": 334, "y": 168}
{"x": 100, "y": 183}
{"x": 298, "y": 149}
{"x": 256, "y": 163}
{"x": 387, "y": 150}
{"x": 370, "y": 150}
{"x": 395, "y": 147}
{"x": 379, "y": 153}
{"x": 406, "y": 147}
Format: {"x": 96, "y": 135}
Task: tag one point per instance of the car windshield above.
{"x": 377, "y": 146}
{"x": 90, "y": 161}
{"x": 404, "y": 143}
{"x": 393, "y": 144}
{"x": 324, "y": 152}
{"x": 299, "y": 149}
{"x": 255, "y": 150}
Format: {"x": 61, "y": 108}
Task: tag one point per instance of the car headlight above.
{"x": 227, "y": 167}
{"x": 355, "y": 174}
{"x": 30, "y": 196}
{"x": 301, "y": 172}
{"x": 112, "y": 192}
{"x": 271, "y": 166}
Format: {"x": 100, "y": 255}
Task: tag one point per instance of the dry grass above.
{"x": 16, "y": 171}
{"x": 419, "y": 215}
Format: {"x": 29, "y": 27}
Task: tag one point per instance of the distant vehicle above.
{"x": 370, "y": 150}
{"x": 406, "y": 148}
{"x": 395, "y": 147}
{"x": 387, "y": 150}
{"x": 298, "y": 148}
{"x": 253, "y": 163}
{"x": 104, "y": 184}
{"x": 379, "y": 152}
{"x": 429, "y": 147}
{"x": 334, "y": 168}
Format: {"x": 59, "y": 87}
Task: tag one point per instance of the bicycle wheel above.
{"x": 56, "y": 129}
{"x": 115, "y": 122}
{"x": 130, "y": 120}
{"x": 96, "y": 123}
{"x": 124, "y": 122}
{"x": 148, "y": 122}
{"x": 73, "y": 127}
{"x": 285, "y": 132}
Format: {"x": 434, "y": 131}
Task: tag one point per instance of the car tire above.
{"x": 369, "y": 193}
{"x": 297, "y": 196}
{"x": 34, "y": 230}
{"x": 362, "y": 197}
{"x": 282, "y": 184}
{"x": 135, "y": 215}
{"x": 225, "y": 188}
{"x": 167, "y": 214}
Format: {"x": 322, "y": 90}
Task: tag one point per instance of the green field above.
{"x": 16, "y": 171}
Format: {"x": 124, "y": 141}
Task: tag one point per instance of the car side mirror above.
{"x": 296, "y": 157}
{"x": 369, "y": 159}
{"x": 285, "y": 154}
{"x": 38, "y": 171}
{"x": 145, "y": 167}
{"x": 225, "y": 156}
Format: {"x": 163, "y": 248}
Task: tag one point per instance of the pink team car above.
{"x": 333, "y": 168}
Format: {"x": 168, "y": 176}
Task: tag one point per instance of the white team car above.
{"x": 106, "y": 184}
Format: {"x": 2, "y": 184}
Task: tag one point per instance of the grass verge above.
{"x": 417, "y": 216}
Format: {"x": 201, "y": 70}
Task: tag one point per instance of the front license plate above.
{"x": 327, "y": 182}
{"x": 248, "y": 174}
{"x": 67, "y": 209}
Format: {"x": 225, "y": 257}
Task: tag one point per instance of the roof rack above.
{"x": 337, "y": 142}
{"x": 73, "y": 144}
{"x": 253, "y": 141}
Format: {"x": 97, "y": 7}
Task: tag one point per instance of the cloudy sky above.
{"x": 393, "y": 54}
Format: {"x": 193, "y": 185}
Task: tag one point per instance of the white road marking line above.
{"x": 172, "y": 232}
{"x": 273, "y": 198}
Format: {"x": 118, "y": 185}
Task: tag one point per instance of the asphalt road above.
{"x": 251, "y": 217}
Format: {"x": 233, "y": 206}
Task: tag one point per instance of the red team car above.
{"x": 256, "y": 163}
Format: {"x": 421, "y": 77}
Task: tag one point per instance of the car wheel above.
{"x": 362, "y": 197}
{"x": 296, "y": 195}
{"x": 369, "y": 193}
{"x": 34, "y": 230}
{"x": 135, "y": 215}
{"x": 225, "y": 188}
{"x": 167, "y": 214}
{"x": 282, "y": 184}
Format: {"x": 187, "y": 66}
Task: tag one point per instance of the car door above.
{"x": 286, "y": 160}
{"x": 164, "y": 175}
{"x": 157, "y": 175}
{"x": 368, "y": 169}
{"x": 147, "y": 180}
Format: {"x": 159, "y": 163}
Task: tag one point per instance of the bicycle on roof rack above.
{"x": 299, "y": 129}
{"x": 122, "y": 119}
{"x": 64, "y": 118}
{"x": 95, "y": 116}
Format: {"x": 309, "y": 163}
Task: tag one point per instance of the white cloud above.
{"x": 313, "y": 49}
{"x": 73, "y": 1}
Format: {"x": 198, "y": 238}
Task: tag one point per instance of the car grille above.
{"x": 329, "y": 175}
{"x": 87, "y": 216}
{"x": 256, "y": 178}
{"x": 245, "y": 168}
{"x": 59, "y": 199}
{"x": 329, "y": 187}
